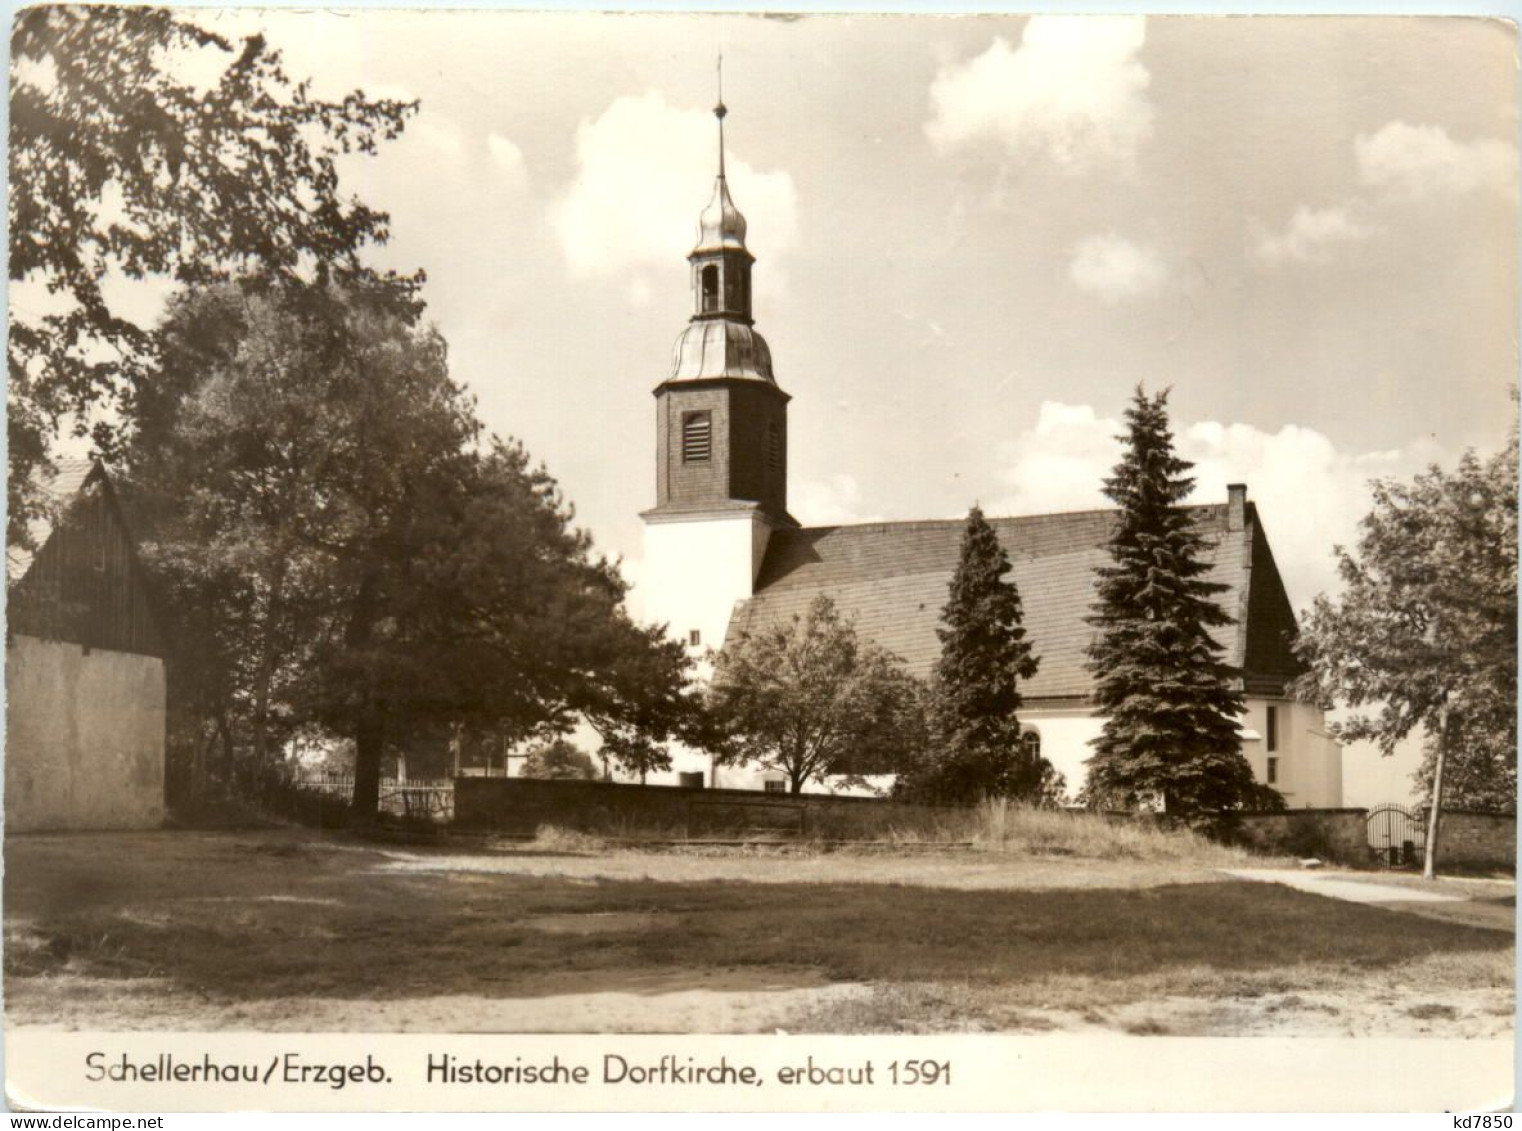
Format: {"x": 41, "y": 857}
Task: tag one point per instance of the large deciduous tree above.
{"x": 143, "y": 145}
{"x": 641, "y": 698}
{"x": 812, "y": 698}
{"x": 1424, "y": 631}
{"x": 369, "y": 563}
{"x": 1168, "y": 700}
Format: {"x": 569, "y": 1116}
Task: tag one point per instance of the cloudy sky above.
{"x": 975, "y": 237}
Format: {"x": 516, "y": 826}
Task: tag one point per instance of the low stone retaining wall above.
{"x": 1465, "y": 839}
{"x": 519, "y": 806}
{"x": 1327, "y": 834}
{"x": 1476, "y": 840}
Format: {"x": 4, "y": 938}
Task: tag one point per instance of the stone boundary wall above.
{"x": 1476, "y": 840}
{"x": 519, "y": 806}
{"x": 1328, "y": 834}
{"x": 1465, "y": 839}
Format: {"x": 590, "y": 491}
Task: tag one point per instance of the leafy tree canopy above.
{"x": 124, "y": 164}
{"x": 1427, "y": 619}
{"x": 641, "y": 698}
{"x": 812, "y": 698}
{"x": 1168, "y": 700}
{"x": 367, "y": 562}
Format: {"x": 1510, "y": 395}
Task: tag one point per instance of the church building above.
{"x": 724, "y": 557}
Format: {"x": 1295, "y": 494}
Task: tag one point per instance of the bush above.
{"x": 560, "y": 760}
{"x": 1002, "y": 826}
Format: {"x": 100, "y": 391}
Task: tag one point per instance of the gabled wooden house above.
{"x": 84, "y": 667}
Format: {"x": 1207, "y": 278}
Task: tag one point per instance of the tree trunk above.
{"x": 260, "y": 721}
{"x": 264, "y": 675}
{"x": 369, "y": 730}
{"x": 229, "y": 752}
{"x": 369, "y": 742}
{"x": 1429, "y": 863}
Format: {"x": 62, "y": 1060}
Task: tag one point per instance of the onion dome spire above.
{"x": 721, "y": 226}
{"x": 721, "y": 341}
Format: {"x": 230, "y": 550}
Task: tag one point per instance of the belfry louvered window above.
{"x": 697, "y": 437}
{"x": 710, "y": 278}
{"x": 774, "y": 446}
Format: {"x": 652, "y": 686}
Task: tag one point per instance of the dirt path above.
{"x": 287, "y": 931}
{"x": 1489, "y": 904}
{"x": 754, "y": 1002}
{"x": 1467, "y": 1014}
{"x": 960, "y": 871}
{"x": 1335, "y": 885}
{"x": 740, "y": 1001}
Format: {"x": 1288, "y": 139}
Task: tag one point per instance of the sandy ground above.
{"x": 767, "y": 999}
{"x": 1489, "y": 903}
{"x": 700, "y": 1002}
{"x": 963, "y": 871}
{"x": 752, "y": 1002}
{"x": 1338, "y": 886}
{"x": 1467, "y": 1014}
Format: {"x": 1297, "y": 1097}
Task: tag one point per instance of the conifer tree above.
{"x": 1168, "y": 699}
{"x": 984, "y": 656}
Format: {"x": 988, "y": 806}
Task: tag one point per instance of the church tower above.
{"x": 721, "y": 441}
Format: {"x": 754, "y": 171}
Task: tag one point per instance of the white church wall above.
{"x": 1370, "y": 778}
{"x": 695, "y": 572}
{"x": 1065, "y": 737}
{"x": 750, "y": 776}
{"x": 1307, "y": 761}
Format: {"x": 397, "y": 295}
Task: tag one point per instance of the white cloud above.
{"x": 1058, "y": 464}
{"x": 1074, "y": 91}
{"x": 1399, "y": 164}
{"x": 646, "y": 169}
{"x": 1311, "y": 235}
{"x": 1310, "y": 496}
{"x": 508, "y": 159}
{"x": 1421, "y": 162}
{"x": 835, "y": 501}
{"x": 1114, "y": 269}
{"x": 462, "y": 217}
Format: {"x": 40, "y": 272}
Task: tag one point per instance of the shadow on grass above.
{"x": 237, "y": 925}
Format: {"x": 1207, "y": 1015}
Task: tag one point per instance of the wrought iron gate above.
{"x": 1397, "y": 835}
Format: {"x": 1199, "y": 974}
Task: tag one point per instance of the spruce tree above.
{"x": 1168, "y": 699}
{"x": 984, "y": 656}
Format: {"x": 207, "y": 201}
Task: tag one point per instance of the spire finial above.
{"x": 719, "y": 111}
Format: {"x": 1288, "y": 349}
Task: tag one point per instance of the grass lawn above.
{"x": 294, "y": 929}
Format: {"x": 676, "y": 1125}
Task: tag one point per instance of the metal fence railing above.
{"x": 430, "y": 799}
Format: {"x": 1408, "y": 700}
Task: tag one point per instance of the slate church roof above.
{"x": 892, "y": 580}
